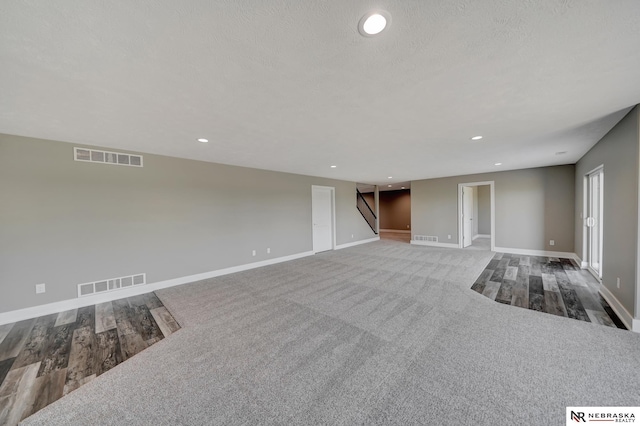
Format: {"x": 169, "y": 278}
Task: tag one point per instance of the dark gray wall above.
{"x": 64, "y": 222}
{"x": 395, "y": 210}
{"x": 533, "y": 206}
{"x": 484, "y": 210}
{"x": 618, "y": 152}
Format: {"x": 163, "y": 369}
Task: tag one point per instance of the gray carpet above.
{"x": 480, "y": 244}
{"x": 383, "y": 333}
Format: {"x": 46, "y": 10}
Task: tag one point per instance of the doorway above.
{"x": 476, "y": 215}
{"x": 594, "y": 212}
{"x": 323, "y": 218}
{"x": 395, "y": 212}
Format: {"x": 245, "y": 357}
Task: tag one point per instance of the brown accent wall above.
{"x": 395, "y": 210}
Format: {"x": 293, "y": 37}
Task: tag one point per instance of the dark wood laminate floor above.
{"x": 42, "y": 359}
{"x": 546, "y": 284}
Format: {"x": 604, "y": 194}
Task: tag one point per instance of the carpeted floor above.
{"x": 382, "y": 333}
{"x": 480, "y": 244}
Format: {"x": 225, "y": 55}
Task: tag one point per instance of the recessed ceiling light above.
{"x": 333, "y": 167}
{"x": 498, "y": 164}
{"x": 476, "y": 138}
{"x": 374, "y": 23}
{"x": 390, "y": 177}
{"x": 402, "y": 187}
{"x": 389, "y": 186}
{"x": 203, "y": 140}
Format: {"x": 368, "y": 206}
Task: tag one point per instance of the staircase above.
{"x": 366, "y": 211}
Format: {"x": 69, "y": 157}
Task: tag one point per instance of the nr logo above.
{"x": 576, "y": 417}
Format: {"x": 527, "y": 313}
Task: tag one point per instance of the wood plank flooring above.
{"x": 546, "y": 284}
{"x": 404, "y": 237}
{"x": 42, "y": 359}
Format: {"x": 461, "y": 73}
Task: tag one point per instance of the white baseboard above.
{"x": 582, "y": 263}
{"x": 356, "y": 243}
{"x": 480, "y": 236}
{"x": 396, "y": 231}
{"x": 629, "y": 321}
{"x": 434, "y": 244}
{"x": 65, "y": 305}
{"x": 527, "y": 252}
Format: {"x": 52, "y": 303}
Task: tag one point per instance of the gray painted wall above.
{"x": 533, "y": 206}
{"x": 484, "y": 209}
{"x": 475, "y": 226}
{"x": 618, "y": 152}
{"x": 64, "y": 222}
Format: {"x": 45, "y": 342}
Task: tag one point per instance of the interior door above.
{"x": 595, "y": 187}
{"x": 467, "y": 216}
{"x": 322, "y": 218}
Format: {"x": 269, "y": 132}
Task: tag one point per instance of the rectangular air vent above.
{"x": 105, "y": 157}
{"x": 111, "y": 284}
{"x": 425, "y": 238}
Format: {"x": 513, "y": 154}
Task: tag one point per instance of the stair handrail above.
{"x": 372, "y": 222}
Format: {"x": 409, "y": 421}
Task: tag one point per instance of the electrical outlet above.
{"x": 449, "y": 236}
{"x": 618, "y": 282}
{"x": 253, "y": 253}
{"x": 40, "y": 288}
{"x": 268, "y": 250}
{"x": 552, "y": 242}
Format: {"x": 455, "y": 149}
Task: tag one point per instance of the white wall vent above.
{"x": 105, "y": 157}
{"x": 425, "y": 238}
{"x": 111, "y": 284}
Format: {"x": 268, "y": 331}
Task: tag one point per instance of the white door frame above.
{"x": 333, "y": 214}
{"x": 491, "y": 184}
{"x": 585, "y": 229}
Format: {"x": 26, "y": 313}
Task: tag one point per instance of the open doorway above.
{"x": 395, "y": 212}
{"x": 476, "y": 216}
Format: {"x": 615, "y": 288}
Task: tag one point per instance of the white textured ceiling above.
{"x": 291, "y": 85}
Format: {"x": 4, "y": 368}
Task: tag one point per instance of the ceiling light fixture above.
{"x": 402, "y": 187}
{"x": 498, "y": 164}
{"x": 374, "y": 23}
{"x": 476, "y": 138}
{"x": 389, "y": 186}
{"x": 333, "y": 167}
{"x": 561, "y": 152}
{"x": 390, "y": 177}
{"x": 203, "y": 140}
